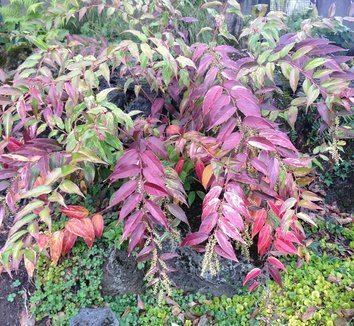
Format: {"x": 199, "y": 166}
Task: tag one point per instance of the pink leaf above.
{"x": 254, "y": 273}
{"x": 230, "y": 230}
{"x": 123, "y": 192}
{"x": 273, "y": 171}
{"x": 157, "y": 213}
{"x": 253, "y": 286}
{"x": 155, "y": 190}
{"x": 222, "y": 115}
{"x": 284, "y": 247}
{"x": 150, "y": 160}
{"x": 177, "y": 212}
{"x": 136, "y": 236}
{"x": 233, "y": 216}
{"x": 276, "y": 263}
{"x": 225, "y": 245}
{"x": 194, "y": 239}
{"x": 210, "y": 97}
{"x": 214, "y": 192}
{"x": 157, "y": 146}
{"x": 208, "y": 223}
{"x": 157, "y": 106}
{"x": 257, "y": 123}
{"x": 125, "y": 172}
{"x": 129, "y": 205}
{"x": 232, "y": 141}
{"x": 274, "y": 273}
{"x": 245, "y": 101}
{"x": 261, "y": 143}
{"x": 131, "y": 224}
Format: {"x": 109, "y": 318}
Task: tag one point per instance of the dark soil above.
{"x": 128, "y": 101}
{"x": 14, "y": 293}
{"x": 11, "y": 312}
{"x": 341, "y": 192}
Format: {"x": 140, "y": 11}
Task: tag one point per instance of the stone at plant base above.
{"x": 94, "y": 317}
{"x": 189, "y": 265}
{"x": 121, "y": 275}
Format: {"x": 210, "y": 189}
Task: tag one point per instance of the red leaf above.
{"x": 75, "y": 211}
{"x": 276, "y": 263}
{"x": 254, "y": 273}
{"x": 173, "y": 130}
{"x": 68, "y": 241}
{"x": 56, "y": 245}
{"x": 225, "y": 244}
{"x": 199, "y": 168}
{"x": 194, "y": 239}
{"x": 129, "y": 205}
{"x": 210, "y": 97}
{"x": 42, "y": 240}
{"x": 123, "y": 192}
{"x": 264, "y": 239}
{"x": 157, "y": 213}
{"x": 13, "y": 144}
{"x": 98, "y": 225}
{"x": 89, "y": 231}
{"x": 259, "y": 220}
{"x": 179, "y": 165}
{"x": 76, "y": 226}
{"x": 284, "y": 247}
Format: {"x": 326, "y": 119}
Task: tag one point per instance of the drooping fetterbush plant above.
{"x": 212, "y": 107}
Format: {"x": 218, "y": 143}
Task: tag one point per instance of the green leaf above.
{"x": 142, "y": 37}
{"x": 312, "y": 95}
{"x": 70, "y": 188}
{"x": 294, "y": 79}
{"x": 301, "y": 52}
{"x": 183, "y": 62}
{"x": 37, "y": 191}
{"x": 314, "y": 63}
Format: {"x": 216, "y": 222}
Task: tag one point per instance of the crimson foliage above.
{"x": 212, "y": 108}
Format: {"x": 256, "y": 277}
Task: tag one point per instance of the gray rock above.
{"x": 189, "y": 266}
{"x": 94, "y": 317}
{"x": 121, "y": 275}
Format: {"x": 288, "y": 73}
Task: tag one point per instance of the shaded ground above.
{"x": 342, "y": 193}
{"x": 14, "y": 294}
